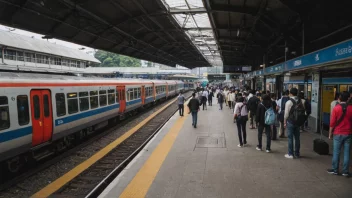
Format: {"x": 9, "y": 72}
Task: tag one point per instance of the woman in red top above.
{"x": 341, "y": 129}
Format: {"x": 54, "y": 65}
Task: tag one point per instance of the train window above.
{"x": 102, "y": 98}
{"x": 22, "y": 110}
{"x": 94, "y": 99}
{"x": 138, "y": 92}
{"x": 83, "y": 101}
{"x": 83, "y": 94}
{"x": 111, "y": 96}
{"x": 72, "y": 103}
{"x": 46, "y": 106}
{"x": 60, "y": 104}
{"x": 4, "y": 113}
{"x": 129, "y": 94}
{"x": 36, "y": 106}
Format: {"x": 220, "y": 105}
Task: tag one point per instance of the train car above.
{"x": 37, "y": 110}
{"x": 171, "y": 88}
{"x": 159, "y": 89}
{"x": 180, "y": 86}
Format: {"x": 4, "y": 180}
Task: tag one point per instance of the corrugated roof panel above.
{"x": 31, "y": 44}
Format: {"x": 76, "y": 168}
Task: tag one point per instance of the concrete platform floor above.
{"x": 206, "y": 162}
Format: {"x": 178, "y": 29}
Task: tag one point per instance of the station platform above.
{"x": 182, "y": 161}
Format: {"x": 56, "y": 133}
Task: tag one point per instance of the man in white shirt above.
{"x": 205, "y": 99}
{"x": 334, "y": 102}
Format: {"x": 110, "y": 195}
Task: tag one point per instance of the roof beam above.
{"x": 120, "y": 31}
{"x": 215, "y": 8}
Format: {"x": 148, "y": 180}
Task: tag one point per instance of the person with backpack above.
{"x": 273, "y": 127}
{"x": 220, "y": 97}
{"x": 341, "y": 133}
{"x": 193, "y": 106}
{"x": 252, "y": 104}
{"x": 205, "y": 99}
{"x": 308, "y": 109}
{"x": 295, "y": 116}
{"x": 241, "y": 117}
{"x": 210, "y": 98}
{"x": 265, "y": 117}
{"x": 281, "y": 110}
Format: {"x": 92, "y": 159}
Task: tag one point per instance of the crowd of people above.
{"x": 264, "y": 112}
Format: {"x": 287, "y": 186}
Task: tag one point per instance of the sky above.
{"x": 88, "y": 50}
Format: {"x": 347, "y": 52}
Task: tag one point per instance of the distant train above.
{"x": 41, "y": 114}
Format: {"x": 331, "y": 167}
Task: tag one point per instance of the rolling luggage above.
{"x": 321, "y": 147}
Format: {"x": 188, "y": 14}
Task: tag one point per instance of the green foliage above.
{"x": 109, "y": 59}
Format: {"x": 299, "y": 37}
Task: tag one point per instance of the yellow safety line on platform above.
{"x": 57, "y": 184}
{"x": 142, "y": 181}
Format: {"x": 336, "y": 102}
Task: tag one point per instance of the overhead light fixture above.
{"x": 238, "y": 32}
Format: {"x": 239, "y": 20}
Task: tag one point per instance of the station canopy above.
{"x": 191, "y": 33}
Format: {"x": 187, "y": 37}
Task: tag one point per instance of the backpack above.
{"x": 297, "y": 114}
{"x": 253, "y": 103}
{"x": 269, "y": 117}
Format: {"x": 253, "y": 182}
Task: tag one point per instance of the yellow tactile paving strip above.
{"x": 57, "y": 184}
{"x": 141, "y": 183}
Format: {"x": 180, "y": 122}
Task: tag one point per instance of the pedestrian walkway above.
{"x": 206, "y": 162}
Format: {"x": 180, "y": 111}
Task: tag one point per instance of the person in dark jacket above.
{"x": 193, "y": 106}
{"x": 308, "y": 109}
{"x": 253, "y": 105}
{"x": 210, "y": 98}
{"x": 220, "y": 97}
{"x": 262, "y": 107}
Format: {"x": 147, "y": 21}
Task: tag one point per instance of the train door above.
{"x": 122, "y": 98}
{"x": 143, "y": 94}
{"x": 42, "y": 117}
{"x": 328, "y": 95}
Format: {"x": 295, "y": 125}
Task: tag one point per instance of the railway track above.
{"x": 91, "y": 178}
{"x": 96, "y": 178}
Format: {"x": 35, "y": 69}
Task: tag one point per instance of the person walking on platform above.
{"x": 220, "y": 97}
{"x": 261, "y": 118}
{"x": 193, "y": 106}
{"x": 228, "y": 99}
{"x": 226, "y": 91}
{"x": 241, "y": 117}
{"x": 253, "y": 103}
{"x": 181, "y": 100}
{"x": 205, "y": 99}
{"x": 334, "y": 102}
{"x": 232, "y": 99}
{"x": 281, "y": 109}
{"x": 294, "y": 118}
{"x": 210, "y": 98}
{"x": 341, "y": 133}
{"x": 307, "y": 107}
{"x": 273, "y": 127}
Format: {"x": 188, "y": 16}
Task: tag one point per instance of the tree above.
{"x": 109, "y": 59}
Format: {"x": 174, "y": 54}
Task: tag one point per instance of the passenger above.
{"x": 229, "y": 101}
{"x": 241, "y": 116}
{"x": 281, "y": 109}
{"x": 226, "y": 91}
{"x": 260, "y": 119}
{"x": 220, "y": 98}
{"x": 210, "y": 98}
{"x": 193, "y": 106}
{"x": 293, "y": 120}
{"x": 334, "y": 102}
{"x": 205, "y": 99}
{"x": 340, "y": 131}
{"x": 181, "y": 100}
{"x": 233, "y": 99}
{"x": 250, "y": 95}
{"x": 253, "y": 103}
{"x": 307, "y": 107}
{"x": 273, "y": 127}
{"x": 268, "y": 92}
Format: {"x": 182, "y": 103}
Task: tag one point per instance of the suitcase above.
{"x": 321, "y": 147}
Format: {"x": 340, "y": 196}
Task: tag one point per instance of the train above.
{"x": 43, "y": 114}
